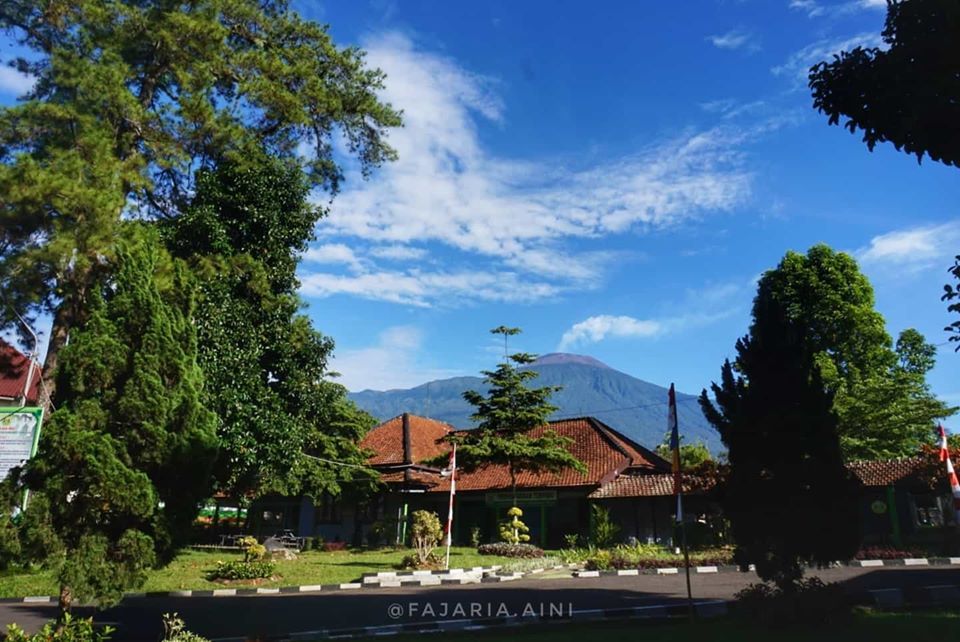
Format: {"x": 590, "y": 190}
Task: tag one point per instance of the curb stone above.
{"x": 727, "y": 568}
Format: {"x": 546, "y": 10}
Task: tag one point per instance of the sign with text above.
{"x": 19, "y": 436}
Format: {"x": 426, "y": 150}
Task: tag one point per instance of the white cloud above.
{"x": 599, "y": 327}
{"x": 913, "y": 249}
{"x": 447, "y": 190}
{"x": 733, "y": 39}
{"x": 425, "y": 289}
{"x": 797, "y": 66}
{"x": 399, "y": 252}
{"x": 809, "y": 7}
{"x": 13, "y": 82}
{"x": 393, "y": 362}
{"x": 332, "y": 253}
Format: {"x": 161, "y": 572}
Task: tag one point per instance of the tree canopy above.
{"x": 789, "y": 497}
{"x": 265, "y": 365}
{"x": 908, "y": 93}
{"x": 883, "y": 403}
{"x": 130, "y": 100}
{"x": 124, "y": 460}
{"x": 505, "y": 417}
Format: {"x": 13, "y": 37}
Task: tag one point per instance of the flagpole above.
{"x": 673, "y": 425}
{"x": 453, "y": 492}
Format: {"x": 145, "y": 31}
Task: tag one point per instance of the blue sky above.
{"x": 612, "y": 177}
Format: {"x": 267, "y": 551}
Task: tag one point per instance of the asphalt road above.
{"x": 138, "y": 619}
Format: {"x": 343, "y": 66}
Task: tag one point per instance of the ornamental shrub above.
{"x": 79, "y": 630}
{"x": 506, "y": 549}
{"x": 241, "y": 570}
{"x": 425, "y": 534}
{"x": 603, "y": 532}
{"x": 512, "y": 530}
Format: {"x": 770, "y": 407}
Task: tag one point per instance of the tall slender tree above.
{"x": 506, "y": 415}
{"x": 125, "y": 458}
{"x": 788, "y": 495}
{"x": 130, "y": 99}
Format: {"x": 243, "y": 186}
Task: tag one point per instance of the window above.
{"x": 928, "y": 511}
{"x": 327, "y": 510}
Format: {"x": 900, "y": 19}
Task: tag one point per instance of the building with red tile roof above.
{"x": 15, "y": 369}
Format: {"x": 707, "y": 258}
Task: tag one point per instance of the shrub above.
{"x": 433, "y": 561}
{"x": 512, "y": 530}
{"x": 175, "y": 630}
{"x": 571, "y": 540}
{"x": 241, "y": 570}
{"x": 475, "y": 536}
{"x": 506, "y": 549}
{"x": 253, "y": 551}
{"x": 810, "y": 602}
{"x": 603, "y": 532}
{"x": 81, "y": 630}
{"x": 885, "y": 553}
{"x": 334, "y": 546}
{"x": 599, "y": 561}
{"x": 425, "y": 534}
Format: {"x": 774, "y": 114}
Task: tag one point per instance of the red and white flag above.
{"x": 452, "y": 471}
{"x": 951, "y": 474}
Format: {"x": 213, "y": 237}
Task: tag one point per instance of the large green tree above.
{"x": 265, "y": 365}
{"x": 787, "y": 493}
{"x": 131, "y": 99}
{"x": 506, "y": 415}
{"x": 883, "y": 404}
{"x": 125, "y": 459}
{"x": 908, "y": 93}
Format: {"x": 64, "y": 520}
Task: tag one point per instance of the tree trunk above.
{"x": 65, "y": 603}
{"x": 58, "y": 338}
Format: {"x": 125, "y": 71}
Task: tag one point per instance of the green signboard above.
{"x": 19, "y": 436}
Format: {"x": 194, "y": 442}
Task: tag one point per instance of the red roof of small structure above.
{"x": 885, "y": 472}
{"x": 13, "y": 374}
{"x": 654, "y": 485}
{"x": 386, "y": 440}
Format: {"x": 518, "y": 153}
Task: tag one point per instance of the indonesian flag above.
{"x": 674, "y": 429}
{"x": 452, "y": 471}
{"x": 951, "y": 474}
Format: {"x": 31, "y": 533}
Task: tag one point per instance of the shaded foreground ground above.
{"x": 217, "y": 617}
{"x": 873, "y": 626}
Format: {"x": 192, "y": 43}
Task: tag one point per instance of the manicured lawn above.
{"x": 188, "y": 570}
{"x": 864, "y": 626}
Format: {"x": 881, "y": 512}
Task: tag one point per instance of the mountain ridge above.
{"x": 635, "y": 407}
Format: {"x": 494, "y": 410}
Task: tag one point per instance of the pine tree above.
{"x": 505, "y": 417}
{"x": 788, "y": 495}
{"x": 125, "y": 459}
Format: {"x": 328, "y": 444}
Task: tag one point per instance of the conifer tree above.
{"x": 125, "y": 459}
{"x": 788, "y": 495}
{"x": 505, "y": 417}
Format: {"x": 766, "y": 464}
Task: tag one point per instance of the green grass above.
{"x": 863, "y": 626}
{"x": 189, "y": 569}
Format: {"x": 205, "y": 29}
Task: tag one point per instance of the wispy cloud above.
{"x": 734, "y": 39}
{"x": 494, "y": 212}
{"x": 714, "y": 302}
{"x": 913, "y": 249}
{"x": 332, "y": 253}
{"x": 814, "y": 9}
{"x": 395, "y": 361}
{"x": 399, "y": 252}
{"x": 13, "y": 82}
{"x": 797, "y": 66}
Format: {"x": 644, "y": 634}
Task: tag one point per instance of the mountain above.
{"x": 635, "y": 407}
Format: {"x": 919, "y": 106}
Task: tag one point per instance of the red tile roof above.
{"x": 604, "y": 452}
{"x": 386, "y": 440}
{"x": 13, "y": 374}
{"x": 653, "y": 485}
{"x": 885, "y": 472}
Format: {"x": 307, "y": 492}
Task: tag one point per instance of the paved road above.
{"x": 138, "y": 619}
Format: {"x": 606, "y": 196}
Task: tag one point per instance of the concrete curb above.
{"x": 725, "y": 568}
{"x": 659, "y": 612}
{"x": 387, "y": 579}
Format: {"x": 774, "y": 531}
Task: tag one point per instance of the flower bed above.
{"x": 886, "y": 553}
{"x": 645, "y": 557}
{"x": 505, "y": 549}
